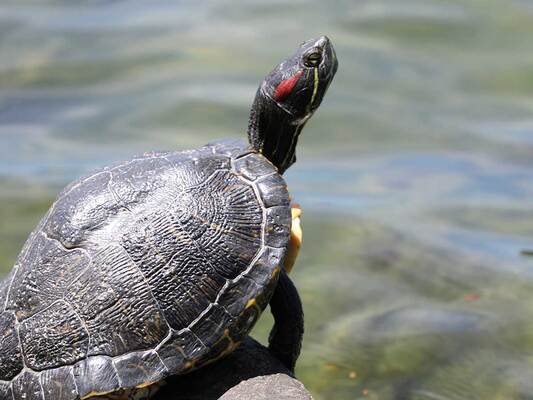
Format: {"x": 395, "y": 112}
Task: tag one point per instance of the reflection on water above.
{"x": 415, "y": 176}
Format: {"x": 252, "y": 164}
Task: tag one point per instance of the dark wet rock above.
{"x": 277, "y": 386}
{"x": 250, "y": 372}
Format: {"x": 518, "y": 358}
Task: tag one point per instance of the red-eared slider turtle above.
{"x": 163, "y": 263}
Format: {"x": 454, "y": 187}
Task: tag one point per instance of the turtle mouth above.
{"x": 303, "y": 120}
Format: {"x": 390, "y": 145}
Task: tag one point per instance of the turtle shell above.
{"x": 148, "y": 268}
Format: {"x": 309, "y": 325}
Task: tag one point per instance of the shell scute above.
{"x": 116, "y": 305}
{"x": 58, "y": 383}
{"x": 27, "y": 386}
{"x": 273, "y": 191}
{"x": 211, "y": 326}
{"x": 138, "y": 367}
{"x": 278, "y": 228}
{"x": 55, "y": 336}
{"x": 11, "y": 362}
{"x": 6, "y": 391}
{"x": 254, "y": 166}
{"x": 37, "y": 283}
{"x": 179, "y": 352}
{"x": 95, "y": 374}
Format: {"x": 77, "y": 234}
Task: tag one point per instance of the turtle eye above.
{"x": 313, "y": 58}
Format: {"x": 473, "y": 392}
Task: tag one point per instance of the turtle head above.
{"x": 298, "y": 84}
{"x": 288, "y": 97}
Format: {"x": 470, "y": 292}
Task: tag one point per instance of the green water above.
{"x": 415, "y": 176}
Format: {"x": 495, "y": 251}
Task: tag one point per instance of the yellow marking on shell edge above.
{"x": 250, "y": 303}
{"x": 296, "y": 212}
{"x": 95, "y": 394}
{"x": 253, "y": 303}
{"x": 295, "y": 240}
{"x": 143, "y": 385}
{"x": 231, "y": 347}
{"x": 228, "y": 350}
{"x": 123, "y": 393}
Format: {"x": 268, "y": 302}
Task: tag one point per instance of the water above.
{"x": 414, "y": 176}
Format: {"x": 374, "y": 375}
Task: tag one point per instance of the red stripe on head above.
{"x": 285, "y": 87}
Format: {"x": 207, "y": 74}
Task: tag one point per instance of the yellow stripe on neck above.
{"x": 315, "y": 87}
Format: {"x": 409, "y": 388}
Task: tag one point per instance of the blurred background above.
{"x": 415, "y": 176}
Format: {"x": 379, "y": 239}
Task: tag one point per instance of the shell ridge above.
{"x": 149, "y": 287}
{"x": 23, "y": 355}
{"x": 115, "y": 195}
{"x": 46, "y": 235}
{"x": 83, "y": 324}
{"x": 115, "y": 367}
{"x": 263, "y": 228}
{"x": 106, "y": 170}
{"x": 67, "y": 287}
{"x": 71, "y": 371}
{"x": 16, "y": 268}
{"x": 41, "y": 385}
{"x": 198, "y": 246}
{"x": 51, "y": 305}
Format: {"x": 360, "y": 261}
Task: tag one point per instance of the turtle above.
{"x": 161, "y": 264}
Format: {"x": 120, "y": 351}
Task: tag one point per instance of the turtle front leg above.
{"x": 285, "y": 340}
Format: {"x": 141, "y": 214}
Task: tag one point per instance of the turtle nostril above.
{"x": 321, "y": 42}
